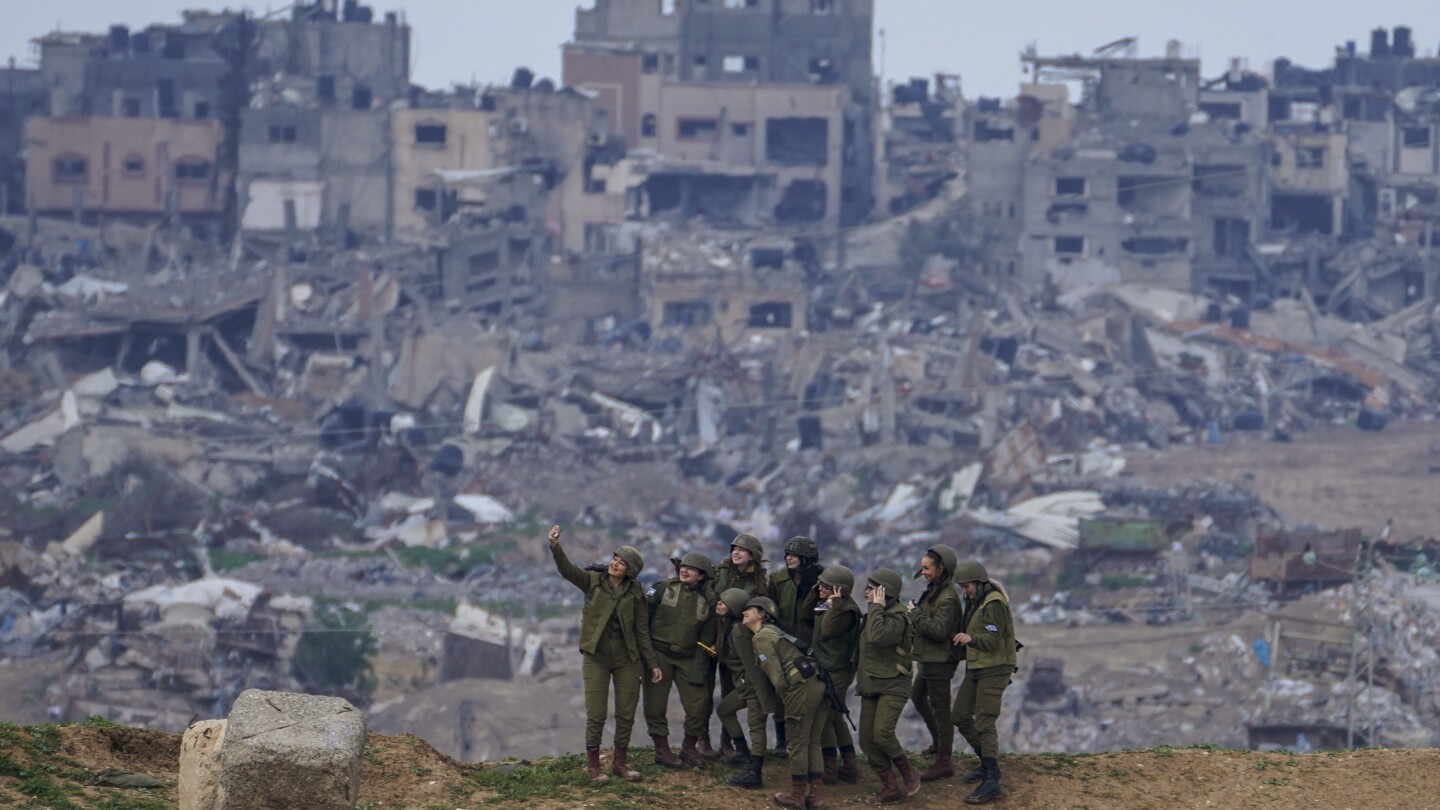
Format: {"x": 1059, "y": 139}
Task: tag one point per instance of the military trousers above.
{"x": 837, "y": 730}
{"x": 805, "y": 716}
{"x": 694, "y": 699}
{"x": 743, "y": 697}
{"x": 611, "y": 664}
{"x": 878, "y": 717}
{"x": 931, "y": 696}
{"x": 977, "y": 708}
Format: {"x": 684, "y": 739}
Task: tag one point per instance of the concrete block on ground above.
{"x": 200, "y": 765}
{"x": 283, "y": 750}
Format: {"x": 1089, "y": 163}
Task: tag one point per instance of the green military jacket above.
{"x": 679, "y": 619}
{"x": 837, "y": 637}
{"x": 775, "y": 656}
{"x": 726, "y": 577}
{"x": 992, "y": 636}
{"x": 797, "y": 610}
{"x": 626, "y": 604}
{"x": 738, "y": 655}
{"x": 936, "y": 618}
{"x": 884, "y": 651}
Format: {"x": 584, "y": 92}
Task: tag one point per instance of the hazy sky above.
{"x": 461, "y": 40}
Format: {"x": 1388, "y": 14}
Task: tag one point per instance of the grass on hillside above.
{"x": 47, "y": 780}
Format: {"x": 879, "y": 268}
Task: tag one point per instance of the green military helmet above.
{"x": 698, "y": 561}
{"x": 802, "y": 547}
{"x": 839, "y": 577}
{"x": 634, "y": 563}
{"x": 750, "y": 543}
{"x": 735, "y": 600}
{"x": 971, "y": 571}
{"x": 765, "y": 604}
{"x": 946, "y": 555}
{"x": 888, "y": 579}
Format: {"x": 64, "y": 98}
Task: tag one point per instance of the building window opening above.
{"x": 1069, "y": 187}
{"x": 71, "y": 169}
{"x": 771, "y": 315}
{"x": 797, "y": 141}
{"x": 134, "y": 166}
{"x": 686, "y": 313}
{"x": 192, "y": 170}
{"x": 1310, "y": 157}
{"x": 282, "y": 134}
{"x": 648, "y": 125}
{"x": 1070, "y": 246}
{"x": 1417, "y": 137}
{"x": 431, "y": 134}
{"x": 697, "y": 129}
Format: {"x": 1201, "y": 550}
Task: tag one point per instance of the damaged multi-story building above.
{"x": 1237, "y": 184}
{"x": 738, "y": 111}
{"x": 300, "y": 104}
{"x": 1146, "y": 188}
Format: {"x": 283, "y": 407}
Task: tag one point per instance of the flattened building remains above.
{"x": 715, "y": 259}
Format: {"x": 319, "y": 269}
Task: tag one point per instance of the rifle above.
{"x": 837, "y": 700}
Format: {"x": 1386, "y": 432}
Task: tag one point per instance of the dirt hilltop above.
{"x": 56, "y": 768}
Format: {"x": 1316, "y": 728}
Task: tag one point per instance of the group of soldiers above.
{"x": 789, "y": 645}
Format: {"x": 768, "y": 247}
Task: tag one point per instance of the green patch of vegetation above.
{"x": 333, "y": 654}
{"x": 1114, "y": 582}
{"x": 44, "y": 739}
{"x": 223, "y": 560}
{"x": 528, "y": 781}
{"x": 1196, "y": 648}
{"x": 1163, "y": 750}
{"x": 1275, "y": 782}
{"x": 1261, "y": 765}
{"x": 95, "y": 721}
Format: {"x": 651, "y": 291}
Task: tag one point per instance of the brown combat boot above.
{"x": 689, "y": 754}
{"x": 727, "y": 751}
{"x": 705, "y": 750}
{"x": 930, "y": 750}
{"x": 592, "y": 765}
{"x": 817, "y": 790}
{"x": 619, "y": 767}
{"x": 909, "y": 774}
{"x": 890, "y": 791}
{"x": 942, "y": 768}
{"x": 796, "y": 796}
{"x": 664, "y": 757}
{"x": 831, "y": 774}
{"x": 849, "y": 772}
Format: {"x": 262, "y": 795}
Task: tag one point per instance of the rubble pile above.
{"x": 320, "y": 421}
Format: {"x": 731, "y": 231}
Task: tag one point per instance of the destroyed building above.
{"x": 659, "y": 67}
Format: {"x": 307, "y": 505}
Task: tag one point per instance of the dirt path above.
{"x": 1337, "y": 476}
{"x": 48, "y": 768}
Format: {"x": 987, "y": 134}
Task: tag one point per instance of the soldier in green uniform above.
{"x": 837, "y": 640}
{"x": 797, "y": 681}
{"x": 793, "y": 587}
{"x": 735, "y": 648}
{"x": 679, "y": 613}
{"x": 988, "y": 636}
{"x": 614, "y": 645}
{"x": 744, "y": 568}
{"x": 936, "y": 618}
{"x": 883, "y": 683}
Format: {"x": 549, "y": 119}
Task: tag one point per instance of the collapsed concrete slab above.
{"x": 282, "y": 749}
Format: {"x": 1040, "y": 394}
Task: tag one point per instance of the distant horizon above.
{"x": 455, "y": 42}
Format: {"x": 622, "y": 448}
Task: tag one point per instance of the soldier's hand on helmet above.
{"x": 961, "y": 638}
{"x": 554, "y": 536}
{"x": 877, "y": 595}
{"x": 655, "y": 676}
